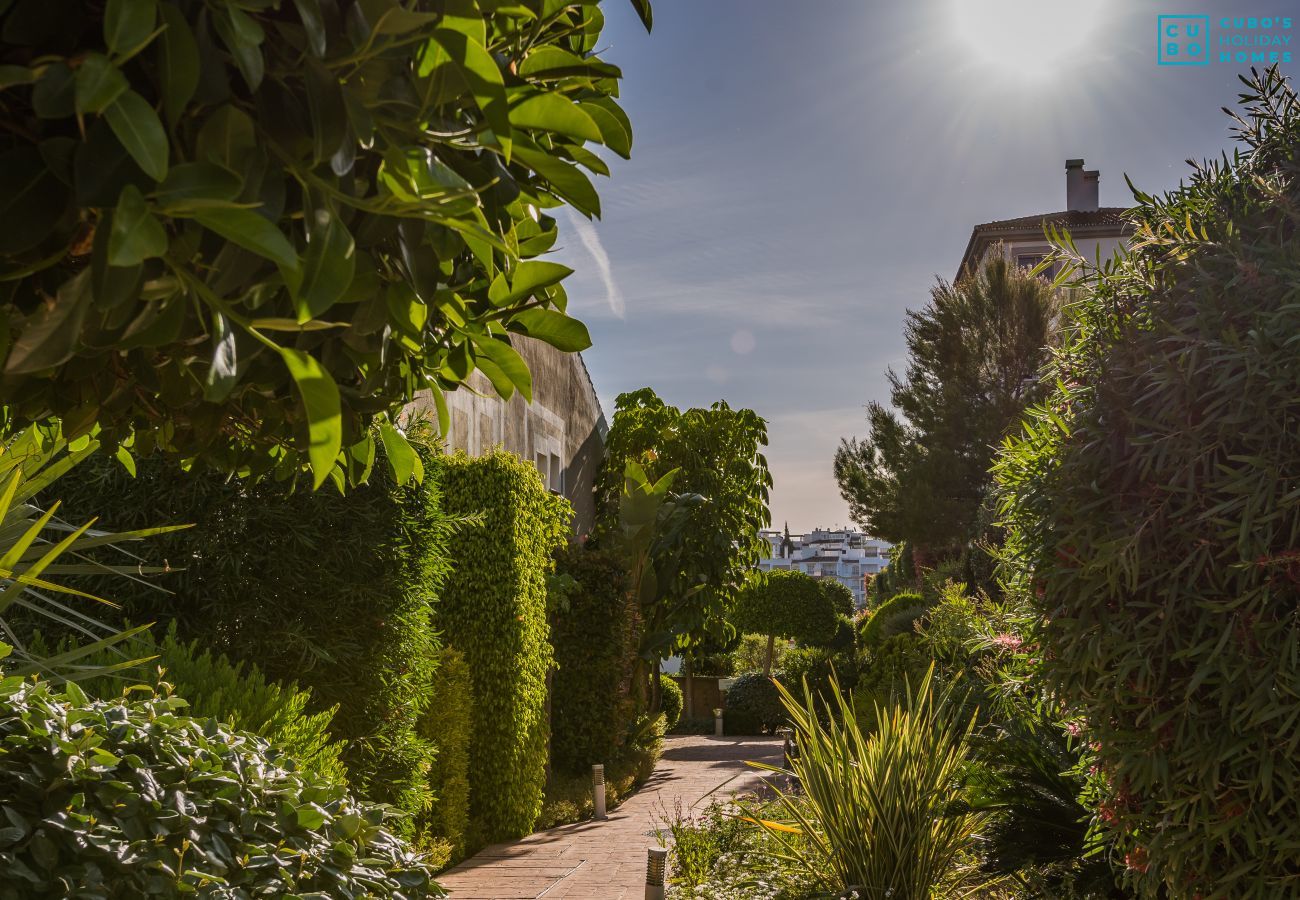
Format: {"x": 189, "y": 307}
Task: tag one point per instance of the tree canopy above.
{"x": 716, "y": 455}
{"x": 241, "y": 232}
{"x": 786, "y": 604}
{"x": 975, "y": 351}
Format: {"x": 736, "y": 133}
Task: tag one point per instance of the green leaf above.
{"x": 553, "y": 112}
{"x": 564, "y": 179}
{"x": 615, "y": 132}
{"x": 313, "y": 23}
{"x": 402, "y": 457}
{"x": 139, "y": 130}
{"x": 128, "y": 23}
{"x": 553, "y": 62}
{"x": 243, "y": 38}
{"x": 12, "y": 76}
{"x": 178, "y": 63}
{"x": 99, "y": 83}
{"x": 223, "y": 371}
{"x": 252, "y": 232}
{"x": 32, "y": 199}
{"x": 191, "y": 183}
{"x": 328, "y": 115}
{"x": 511, "y": 366}
{"x": 55, "y": 95}
{"x": 560, "y": 331}
{"x": 51, "y": 333}
{"x": 124, "y": 457}
{"x": 320, "y": 399}
{"x": 526, "y": 280}
{"x": 483, "y": 76}
{"x": 645, "y": 12}
{"x": 327, "y": 266}
{"x": 136, "y": 234}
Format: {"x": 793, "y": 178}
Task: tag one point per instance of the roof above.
{"x": 1107, "y": 220}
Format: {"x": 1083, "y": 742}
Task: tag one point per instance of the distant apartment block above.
{"x": 850, "y": 557}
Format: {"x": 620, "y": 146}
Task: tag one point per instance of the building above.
{"x": 850, "y": 557}
{"x": 562, "y": 432}
{"x": 1095, "y": 229}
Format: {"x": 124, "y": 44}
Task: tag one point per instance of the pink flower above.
{"x": 1007, "y": 642}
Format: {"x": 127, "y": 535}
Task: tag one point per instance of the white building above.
{"x": 850, "y": 557}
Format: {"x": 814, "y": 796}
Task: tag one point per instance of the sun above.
{"x": 1031, "y": 39}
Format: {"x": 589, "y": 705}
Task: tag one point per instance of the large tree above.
{"x": 717, "y": 456}
{"x": 241, "y": 232}
{"x": 975, "y": 350}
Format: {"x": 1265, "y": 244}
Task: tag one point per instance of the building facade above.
{"x": 1097, "y": 231}
{"x": 850, "y": 557}
{"x": 562, "y": 432}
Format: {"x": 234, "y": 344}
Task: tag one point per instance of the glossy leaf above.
{"x": 250, "y": 231}
{"x": 552, "y": 112}
{"x": 127, "y": 23}
{"x": 327, "y": 267}
{"x": 99, "y": 83}
{"x": 320, "y": 400}
{"x": 139, "y": 130}
{"x": 136, "y": 233}
{"x": 555, "y": 328}
{"x": 178, "y": 62}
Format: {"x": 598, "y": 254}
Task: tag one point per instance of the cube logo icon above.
{"x": 1183, "y": 40}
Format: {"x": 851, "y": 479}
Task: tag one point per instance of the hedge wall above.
{"x": 493, "y": 609}
{"x": 331, "y": 591}
{"x": 594, "y": 633}
{"x": 446, "y": 724}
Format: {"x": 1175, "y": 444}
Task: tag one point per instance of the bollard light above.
{"x": 656, "y": 867}
{"x": 717, "y": 723}
{"x": 598, "y": 789}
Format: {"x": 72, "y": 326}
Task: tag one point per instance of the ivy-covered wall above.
{"x": 493, "y": 610}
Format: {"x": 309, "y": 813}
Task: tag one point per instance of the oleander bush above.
{"x": 493, "y": 610}
{"x": 446, "y": 724}
{"x": 594, "y": 632}
{"x": 1153, "y": 505}
{"x": 134, "y": 798}
{"x": 332, "y": 591}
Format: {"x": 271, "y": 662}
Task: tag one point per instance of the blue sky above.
{"x": 803, "y": 171}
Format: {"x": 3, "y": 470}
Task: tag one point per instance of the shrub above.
{"x": 568, "y": 797}
{"x": 898, "y": 615}
{"x": 753, "y": 705}
{"x": 840, "y": 596}
{"x": 133, "y": 798}
{"x": 671, "y": 701}
{"x": 446, "y": 725}
{"x": 877, "y": 812}
{"x": 329, "y": 590}
{"x": 236, "y": 694}
{"x": 593, "y": 631}
{"x": 493, "y": 610}
{"x": 1154, "y": 504}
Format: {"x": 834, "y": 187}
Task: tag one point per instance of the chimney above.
{"x": 1082, "y": 191}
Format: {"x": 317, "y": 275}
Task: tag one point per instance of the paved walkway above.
{"x": 606, "y": 859}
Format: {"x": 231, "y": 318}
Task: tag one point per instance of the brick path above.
{"x": 606, "y": 859}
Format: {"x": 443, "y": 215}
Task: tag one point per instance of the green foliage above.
{"x": 446, "y": 724}
{"x": 750, "y": 654}
{"x": 786, "y": 604}
{"x": 672, "y": 702}
{"x": 716, "y": 454}
{"x": 753, "y": 705}
{"x": 896, "y": 616}
{"x": 237, "y": 694}
{"x": 273, "y": 222}
{"x": 493, "y": 610}
{"x": 876, "y": 812}
{"x": 717, "y": 855}
{"x": 133, "y": 798}
{"x": 331, "y": 591}
{"x": 816, "y": 665}
{"x": 568, "y": 797}
{"x": 1153, "y": 511}
{"x": 840, "y": 596}
{"x": 594, "y": 633}
{"x": 974, "y": 354}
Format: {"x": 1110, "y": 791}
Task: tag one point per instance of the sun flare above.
{"x": 1035, "y": 39}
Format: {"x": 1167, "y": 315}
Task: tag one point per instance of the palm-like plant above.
{"x": 38, "y": 550}
{"x": 879, "y": 812}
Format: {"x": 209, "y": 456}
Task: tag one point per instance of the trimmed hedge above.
{"x": 132, "y": 798}
{"x": 753, "y": 706}
{"x": 671, "y": 701}
{"x": 332, "y": 591}
{"x": 594, "y": 633}
{"x": 446, "y": 724}
{"x": 493, "y": 610}
{"x": 895, "y": 616}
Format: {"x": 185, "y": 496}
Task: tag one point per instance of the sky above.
{"x": 802, "y": 173}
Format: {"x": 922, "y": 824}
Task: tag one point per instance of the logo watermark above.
{"x": 1198, "y": 40}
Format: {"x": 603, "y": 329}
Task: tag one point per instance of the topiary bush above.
{"x": 785, "y": 604}
{"x": 840, "y": 596}
{"x": 594, "y": 633}
{"x": 333, "y": 591}
{"x": 671, "y": 701}
{"x": 446, "y": 725}
{"x": 897, "y": 615}
{"x": 1153, "y": 507}
{"x": 493, "y": 610}
{"x": 753, "y": 705}
{"x": 132, "y": 798}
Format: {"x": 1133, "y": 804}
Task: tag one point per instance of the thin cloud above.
{"x": 591, "y": 242}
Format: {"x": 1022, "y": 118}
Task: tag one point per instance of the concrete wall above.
{"x": 562, "y": 431}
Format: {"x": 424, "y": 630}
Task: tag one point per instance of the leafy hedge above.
{"x": 753, "y": 705}
{"x": 446, "y": 725}
{"x": 132, "y": 798}
{"x": 594, "y": 633}
{"x": 895, "y": 616}
{"x": 671, "y": 701}
{"x": 331, "y": 591}
{"x": 1154, "y": 513}
{"x": 493, "y": 610}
